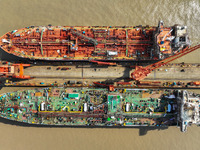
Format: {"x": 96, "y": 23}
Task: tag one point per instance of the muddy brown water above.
{"x": 15, "y": 14}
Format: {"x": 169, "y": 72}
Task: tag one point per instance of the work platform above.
{"x": 85, "y": 75}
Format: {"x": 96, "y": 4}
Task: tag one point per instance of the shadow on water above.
{"x": 142, "y": 130}
{"x": 4, "y": 56}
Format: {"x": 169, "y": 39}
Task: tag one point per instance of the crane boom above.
{"x": 141, "y": 72}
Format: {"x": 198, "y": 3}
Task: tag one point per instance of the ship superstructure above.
{"x": 105, "y": 43}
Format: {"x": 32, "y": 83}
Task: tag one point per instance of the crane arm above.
{"x": 141, "y": 72}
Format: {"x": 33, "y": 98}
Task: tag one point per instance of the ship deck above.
{"x": 95, "y": 42}
{"x": 86, "y": 106}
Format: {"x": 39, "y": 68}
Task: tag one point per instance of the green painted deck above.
{"x": 89, "y": 106}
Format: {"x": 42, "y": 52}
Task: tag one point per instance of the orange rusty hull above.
{"x": 95, "y": 42}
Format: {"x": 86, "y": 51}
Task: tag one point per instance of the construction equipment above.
{"x": 110, "y": 86}
{"x": 196, "y": 83}
{"x": 141, "y": 72}
{"x": 13, "y": 70}
{"x": 20, "y": 74}
{"x": 103, "y": 63}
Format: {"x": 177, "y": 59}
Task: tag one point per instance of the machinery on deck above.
{"x": 100, "y": 107}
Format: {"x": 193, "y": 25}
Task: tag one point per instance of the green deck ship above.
{"x": 100, "y": 107}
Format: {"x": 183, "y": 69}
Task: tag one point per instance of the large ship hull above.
{"x": 104, "y": 43}
{"x": 100, "y": 107}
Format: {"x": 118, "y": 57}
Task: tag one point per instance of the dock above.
{"x": 85, "y": 75}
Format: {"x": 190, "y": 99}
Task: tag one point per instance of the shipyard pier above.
{"x": 173, "y": 75}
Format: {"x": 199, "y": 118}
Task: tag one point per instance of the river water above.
{"x": 15, "y": 14}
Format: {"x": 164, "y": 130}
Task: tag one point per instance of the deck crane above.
{"x": 13, "y": 71}
{"x": 141, "y": 72}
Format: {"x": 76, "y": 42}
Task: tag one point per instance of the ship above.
{"x": 99, "y": 107}
{"x": 96, "y": 43}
